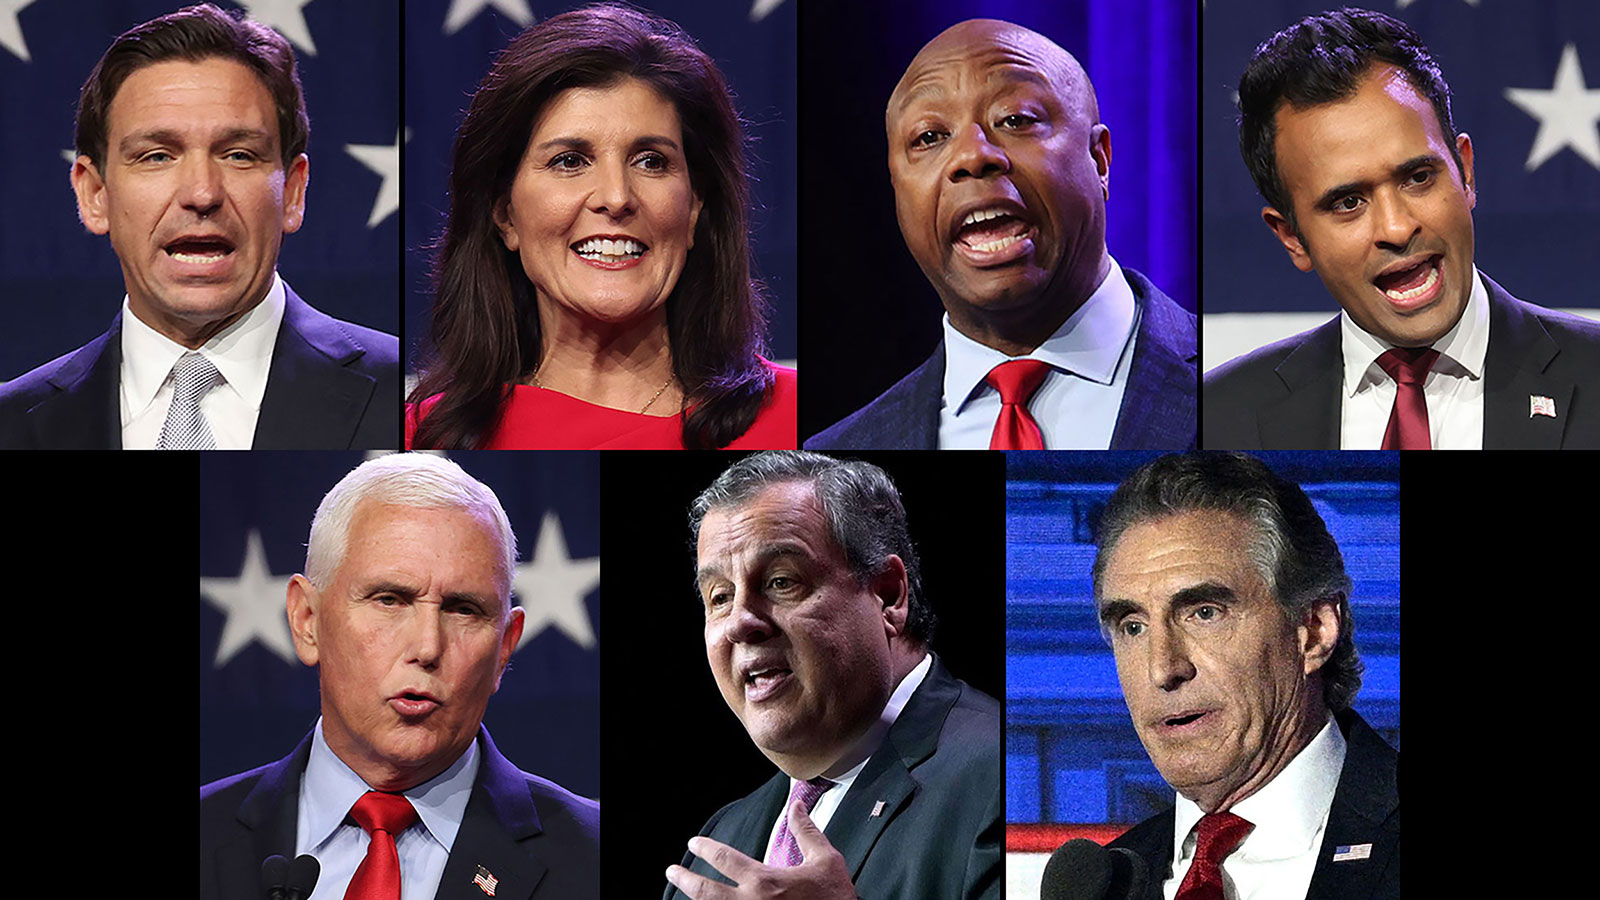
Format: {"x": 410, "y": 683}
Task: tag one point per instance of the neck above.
{"x": 190, "y": 335}
{"x": 1297, "y": 738}
{"x": 619, "y": 365}
{"x": 1019, "y": 330}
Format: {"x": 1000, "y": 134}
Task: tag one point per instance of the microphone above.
{"x": 303, "y": 874}
{"x": 274, "y": 872}
{"x": 1081, "y": 869}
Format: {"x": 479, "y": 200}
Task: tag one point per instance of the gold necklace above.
{"x": 654, "y": 397}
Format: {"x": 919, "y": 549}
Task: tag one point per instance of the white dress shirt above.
{"x": 1076, "y": 405}
{"x": 1290, "y": 814}
{"x": 242, "y": 352}
{"x": 1453, "y": 388}
{"x": 328, "y": 790}
{"x": 828, "y": 803}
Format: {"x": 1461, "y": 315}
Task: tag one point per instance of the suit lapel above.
{"x": 1519, "y": 353}
{"x": 499, "y": 814}
{"x": 270, "y": 814}
{"x": 1158, "y": 404}
{"x": 1366, "y": 808}
{"x": 312, "y": 399}
{"x": 921, "y": 431}
{"x": 86, "y": 414}
{"x": 1307, "y": 417}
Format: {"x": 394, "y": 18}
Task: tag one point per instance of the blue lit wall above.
{"x": 1071, "y": 752}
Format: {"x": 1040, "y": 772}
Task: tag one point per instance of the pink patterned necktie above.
{"x": 785, "y": 850}
{"x": 1216, "y": 836}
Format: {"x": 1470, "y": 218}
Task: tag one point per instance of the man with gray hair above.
{"x": 817, "y": 632}
{"x": 405, "y": 611}
{"x": 1226, "y": 604}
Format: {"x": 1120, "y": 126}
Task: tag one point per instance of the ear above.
{"x": 303, "y": 601}
{"x": 694, "y": 217}
{"x": 295, "y": 181}
{"x": 1100, "y": 150}
{"x": 893, "y": 592}
{"x": 1318, "y": 632}
{"x": 508, "y": 230}
{"x": 1284, "y": 232}
{"x": 90, "y": 187}
{"x": 1468, "y": 179}
{"x": 509, "y": 640}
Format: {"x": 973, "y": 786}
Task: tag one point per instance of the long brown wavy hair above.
{"x": 484, "y": 335}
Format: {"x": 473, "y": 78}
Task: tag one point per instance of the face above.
{"x": 1219, "y": 682}
{"x": 1000, "y": 171}
{"x": 1386, "y": 218}
{"x": 193, "y": 193}
{"x": 410, "y": 639}
{"x": 601, "y": 211}
{"x": 799, "y": 648}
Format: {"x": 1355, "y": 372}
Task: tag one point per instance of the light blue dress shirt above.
{"x": 328, "y": 790}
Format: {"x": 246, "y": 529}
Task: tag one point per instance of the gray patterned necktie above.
{"x": 185, "y": 429}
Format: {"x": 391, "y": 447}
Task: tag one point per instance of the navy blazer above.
{"x": 332, "y": 385}
{"x": 534, "y": 837}
{"x": 1286, "y": 395}
{"x": 1158, "y": 405}
{"x": 923, "y": 821}
{"x": 1366, "y": 810}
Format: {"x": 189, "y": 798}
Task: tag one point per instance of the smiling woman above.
{"x": 594, "y": 285}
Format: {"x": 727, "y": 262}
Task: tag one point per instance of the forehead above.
{"x": 787, "y": 514}
{"x": 179, "y": 93}
{"x": 1156, "y": 558}
{"x": 977, "y": 56}
{"x": 1384, "y": 123}
{"x": 449, "y": 542}
{"x": 628, "y": 107}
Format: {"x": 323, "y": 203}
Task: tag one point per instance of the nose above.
{"x": 425, "y": 634}
{"x": 613, "y": 194}
{"x": 1169, "y": 660}
{"x": 1394, "y": 225}
{"x": 749, "y": 621}
{"x": 974, "y": 155}
{"x": 200, "y": 190}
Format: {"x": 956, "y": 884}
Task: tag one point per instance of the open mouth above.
{"x": 199, "y": 250}
{"x": 1413, "y": 284}
{"x": 1183, "y": 720}
{"x": 610, "y": 250}
{"x": 759, "y": 684}
{"x": 991, "y": 230}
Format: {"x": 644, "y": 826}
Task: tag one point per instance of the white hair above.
{"x": 415, "y": 480}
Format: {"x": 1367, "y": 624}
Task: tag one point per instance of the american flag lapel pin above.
{"x": 1348, "y": 852}
{"x": 1541, "y": 406}
{"x": 486, "y": 881}
{"x": 877, "y": 809}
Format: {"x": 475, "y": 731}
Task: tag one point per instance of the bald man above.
{"x": 1001, "y": 170}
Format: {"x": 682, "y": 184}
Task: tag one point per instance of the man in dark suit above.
{"x": 1049, "y": 344}
{"x": 889, "y": 781}
{"x": 405, "y": 610}
{"x": 191, "y": 134}
{"x": 1345, "y": 125}
{"x": 1226, "y": 604}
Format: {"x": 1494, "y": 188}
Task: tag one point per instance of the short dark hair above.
{"x": 859, "y": 501}
{"x": 485, "y": 334}
{"x": 195, "y": 33}
{"x": 1290, "y": 545}
{"x": 1322, "y": 59}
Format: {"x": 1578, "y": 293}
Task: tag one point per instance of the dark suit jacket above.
{"x": 332, "y": 385}
{"x": 1366, "y": 810}
{"x": 941, "y": 833}
{"x": 1286, "y": 396}
{"x": 537, "y": 839}
{"x": 1158, "y": 406}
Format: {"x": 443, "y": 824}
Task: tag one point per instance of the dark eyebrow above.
{"x": 584, "y": 145}
{"x": 1114, "y": 611}
{"x": 1335, "y": 194}
{"x": 1196, "y": 595}
{"x": 763, "y": 556}
{"x": 168, "y": 136}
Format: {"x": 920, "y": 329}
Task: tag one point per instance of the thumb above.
{"x": 806, "y": 833}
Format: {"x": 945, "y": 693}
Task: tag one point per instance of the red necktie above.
{"x": 1408, "y": 421}
{"x": 383, "y": 816}
{"x": 1216, "y": 836}
{"x": 1016, "y": 381}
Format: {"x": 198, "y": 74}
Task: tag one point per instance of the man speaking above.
{"x": 398, "y": 791}
{"x": 1227, "y": 607}
{"x": 817, "y": 631}
{"x": 191, "y": 137}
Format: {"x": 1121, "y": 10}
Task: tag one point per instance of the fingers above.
{"x": 730, "y": 862}
{"x": 697, "y": 887}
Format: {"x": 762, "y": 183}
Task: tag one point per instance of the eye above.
{"x": 570, "y": 161}
{"x": 1130, "y": 628}
{"x": 1207, "y": 613}
{"x": 1347, "y": 204}
{"x": 1420, "y": 177}
{"x": 1017, "y": 121}
{"x": 241, "y": 156}
{"x": 927, "y": 139}
{"x": 653, "y": 162}
{"x": 156, "y": 156}
{"x": 388, "y": 600}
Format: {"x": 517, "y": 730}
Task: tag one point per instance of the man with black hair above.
{"x": 1345, "y": 125}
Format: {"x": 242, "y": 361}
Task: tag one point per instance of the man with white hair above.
{"x": 405, "y": 611}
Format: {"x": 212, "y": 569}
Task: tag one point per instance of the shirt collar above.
{"x": 1461, "y": 350}
{"x": 1089, "y": 344}
{"x": 242, "y": 352}
{"x": 868, "y": 745}
{"x": 1287, "y": 811}
{"x": 330, "y": 788}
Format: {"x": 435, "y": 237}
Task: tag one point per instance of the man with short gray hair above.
{"x": 817, "y": 632}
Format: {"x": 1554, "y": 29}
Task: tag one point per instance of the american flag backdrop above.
{"x": 1524, "y": 77}
{"x": 256, "y": 698}
{"x": 60, "y": 286}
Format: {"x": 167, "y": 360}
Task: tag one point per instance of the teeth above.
{"x": 595, "y": 248}
{"x": 1001, "y": 244}
{"x": 197, "y": 257}
{"x": 982, "y": 215}
{"x": 1419, "y": 290}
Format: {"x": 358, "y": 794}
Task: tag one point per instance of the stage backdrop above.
{"x": 257, "y": 700}
{"x": 60, "y": 286}
{"x": 1074, "y": 766}
{"x": 449, "y": 48}
{"x": 1525, "y": 84}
